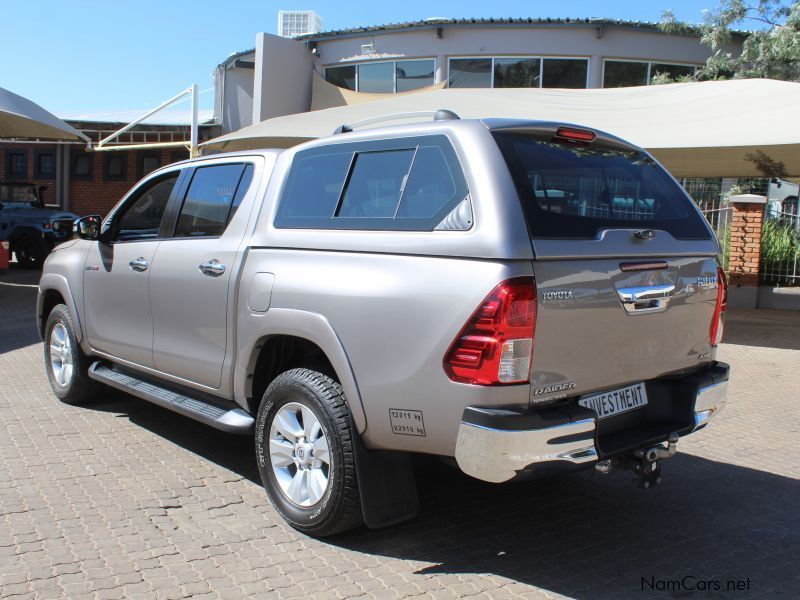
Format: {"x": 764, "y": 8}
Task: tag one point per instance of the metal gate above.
{"x": 780, "y": 246}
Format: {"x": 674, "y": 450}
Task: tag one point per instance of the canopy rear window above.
{"x": 574, "y": 191}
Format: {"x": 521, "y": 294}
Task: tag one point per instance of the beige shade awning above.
{"x": 22, "y": 119}
{"x": 326, "y": 95}
{"x": 704, "y": 129}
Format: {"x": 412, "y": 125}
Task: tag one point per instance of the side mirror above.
{"x": 88, "y": 228}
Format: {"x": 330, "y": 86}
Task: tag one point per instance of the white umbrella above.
{"x": 696, "y": 129}
{"x": 22, "y": 119}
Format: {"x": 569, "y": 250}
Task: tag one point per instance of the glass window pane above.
{"x": 516, "y": 72}
{"x": 142, "y": 215}
{"x": 564, "y": 73}
{"x": 344, "y": 77}
{"x": 431, "y": 185}
{"x": 208, "y": 201}
{"x": 624, "y": 74}
{"x": 674, "y": 71}
{"x": 376, "y": 77}
{"x": 314, "y": 186}
{"x": 414, "y": 74}
{"x": 470, "y": 73}
{"x": 376, "y": 184}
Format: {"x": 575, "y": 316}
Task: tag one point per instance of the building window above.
{"x": 147, "y": 163}
{"x": 518, "y": 72}
{"x": 383, "y": 77}
{"x": 115, "y": 167}
{"x": 564, "y": 73}
{"x": 178, "y": 155}
{"x": 470, "y": 73}
{"x": 17, "y": 164}
{"x": 413, "y": 74}
{"x": 82, "y": 165}
{"x": 622, "y": 73}
{"x": 44, "y": 166}
{"x": 344, "y": 77}
{"x": 617, "y": 73}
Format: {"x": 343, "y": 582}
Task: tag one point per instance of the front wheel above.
{"x": 66, "y": 364}
{"x": 306, "y": 454}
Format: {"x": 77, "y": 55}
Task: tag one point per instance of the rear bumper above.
{"x": 500, "y": 445}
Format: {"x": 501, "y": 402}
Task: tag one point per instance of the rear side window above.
{"x": 407, "y": 184}
{"x": 574, "y": 191}
{"x": 209, "y": 200}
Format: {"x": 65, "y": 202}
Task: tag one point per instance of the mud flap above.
{"x": 386, "y": 485}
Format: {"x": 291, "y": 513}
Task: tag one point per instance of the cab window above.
{"x": 212, "y": 198}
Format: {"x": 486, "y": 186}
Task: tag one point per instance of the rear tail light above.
{"x": 496, "y": 345}
{"x": 720, "y": 308}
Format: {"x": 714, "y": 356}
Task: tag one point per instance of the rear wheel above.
{"x": 306, "y": 455}
{"x": 66, "y": 364}
{"x": 31, "y": 251}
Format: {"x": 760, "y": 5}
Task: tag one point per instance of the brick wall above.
{"x": 30, "y": 151}
{"x": 745, "y": 252}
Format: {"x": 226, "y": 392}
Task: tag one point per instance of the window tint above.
{"x": 414, "y": 74}
{"x": 376, "y": 184}
{"x": 516, "y": 72}
{"x": 470, "y": 72}
{"x": 570, "y": 191}
{"x": 407, "y": 184}
{"x": 624, "y": 74}
{"x": 244, "y": 185}
{"x": 142, "y": 214}
{"x": 376, "y": 77}
{"x": 342, "y": 76}
{"x": 208, "y": 201}
{"x": 564, "y": 73}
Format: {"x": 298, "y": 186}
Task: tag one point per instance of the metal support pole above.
{"x": 195, "y": 120}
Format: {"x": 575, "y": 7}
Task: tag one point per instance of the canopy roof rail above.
{"x": 440, "y": 115}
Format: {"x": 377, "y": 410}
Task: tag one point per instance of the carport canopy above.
{"x": 698, "y": 129}
{"x": 22, "y": 119}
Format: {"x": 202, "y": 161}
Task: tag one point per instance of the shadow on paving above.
{"x": 18, "y": 308}
{"x": 763, "y": 327}
{"x": 585, "y": 535}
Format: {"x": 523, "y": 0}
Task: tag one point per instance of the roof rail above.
{"x": 440, "y": 115}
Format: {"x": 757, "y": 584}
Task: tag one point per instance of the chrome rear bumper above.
{"x": 500, "y": 445}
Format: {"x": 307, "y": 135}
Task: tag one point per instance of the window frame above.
{"x": 392, "y": 61}
{"x": 383, "y": 224}
{"x": 107, "y": 160}
{"x": 13, "y": 175}
{"x": 649, "y": 62}
{"x": 140, "y": 158}
{"x": 176, "y": 203}
{"x": 73, "y": 161}
{"x": 37, "y": 171}
{"x": 540, "y": 57}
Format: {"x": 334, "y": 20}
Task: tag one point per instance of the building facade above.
{"x": 275, "y": 78}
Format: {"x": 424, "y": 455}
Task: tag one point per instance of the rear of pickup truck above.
{"x": 628, "y": 310}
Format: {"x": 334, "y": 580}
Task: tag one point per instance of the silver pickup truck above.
{"x": 520, "y": 298}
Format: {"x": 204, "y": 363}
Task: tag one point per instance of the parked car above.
{"x": 28, "y": 226}
{"x": 398, "y": 290}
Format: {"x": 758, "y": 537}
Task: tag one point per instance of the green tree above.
{"x": 772, "y": 51}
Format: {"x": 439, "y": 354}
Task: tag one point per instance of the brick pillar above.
{"x": 745, "y": 248}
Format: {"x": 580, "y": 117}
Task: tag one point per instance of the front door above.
{"x": 190, "y": 278}
{"x": 115, "y": 282}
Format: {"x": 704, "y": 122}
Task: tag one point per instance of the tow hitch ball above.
{"x": 645, "y": 463}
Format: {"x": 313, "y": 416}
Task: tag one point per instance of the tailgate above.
{"x": 599, "y": 326}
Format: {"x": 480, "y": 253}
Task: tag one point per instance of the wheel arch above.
{"x": 283, "y": 339}
{"x": 54, "y": 290}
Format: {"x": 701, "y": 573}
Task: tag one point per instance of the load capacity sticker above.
{"x": 407, "y": 422}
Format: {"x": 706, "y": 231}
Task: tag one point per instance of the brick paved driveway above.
{"x": 121, "y": 499}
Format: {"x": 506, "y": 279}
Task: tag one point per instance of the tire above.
{"x": 31, "y": 251}
{"x": 71, "y": 385}
{"x": 338, "y": 507}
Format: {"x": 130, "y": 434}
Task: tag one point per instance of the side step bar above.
{"x": 234, "y": 420}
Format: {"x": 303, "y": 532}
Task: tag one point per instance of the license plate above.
{"x": 615, "y": 402}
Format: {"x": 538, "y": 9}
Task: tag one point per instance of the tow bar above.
{"x": 645, "y": 463}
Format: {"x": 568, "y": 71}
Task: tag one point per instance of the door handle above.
{"x": 646, "y": 298}
{"x": 139, "y": 264}
{"x": 212, "y": 268}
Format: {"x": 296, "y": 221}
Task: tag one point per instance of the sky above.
{"x": 87, "y": 57}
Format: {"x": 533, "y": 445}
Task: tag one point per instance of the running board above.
{"x": 235, "y": 420}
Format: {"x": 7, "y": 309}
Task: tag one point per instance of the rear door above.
{"x": 190, "y": 277}
{"x": 626, "y": 268}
